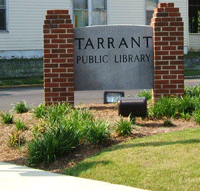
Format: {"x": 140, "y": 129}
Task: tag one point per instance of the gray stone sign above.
{"x": 113, "y": 57}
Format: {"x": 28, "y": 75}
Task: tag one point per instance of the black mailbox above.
{"x": 135, "y": 107}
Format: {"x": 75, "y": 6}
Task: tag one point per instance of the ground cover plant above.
{"x": 7, "y": 117}
{"x": 124, "y": 127}
{"x": 15, "y": 139}
{"x": 192, "y": 91}
{"x": 168, "y": 122}
{"x": 147, "y": 94}
{"x": 186, "y": 107}
{"x": 68, "y": 129}
{"x": 20, "y": 107}
{"x": 20, "y": 125}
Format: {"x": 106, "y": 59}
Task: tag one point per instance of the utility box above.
{"x": 135, "y": 107}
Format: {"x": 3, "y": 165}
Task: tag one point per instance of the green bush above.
{"x": 56, "y": 113}
{"x": 91, "y": 131}
{"x": 96, "y": 132}
{"x": 147, "y": 94}
{"x": 52, "y": 144}
{"x": 183, "y": 107}
{"x": 7, "y": 118}
{"x": 124, "y": 127}
{"x": 172, "y": 107}
{"x": 13, "y": 139}
{"x": 184, "y": 115}
{"x": 20, "y": 125}
{"x": 68, "y": 128}
{"x": 187, "y": 104}
{"x": 40, "y": 128}
{"x": 52, "y": 112}
{"x": 40, "y": 111}
{"x": 192, "y": 91}
{"x": 196, "y": 115}
{"x": 20, "y": 107}
{"x": 168, "y": 123}
{"x": 164, "y": 107}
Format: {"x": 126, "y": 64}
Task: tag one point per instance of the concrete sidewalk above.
{"x": 21, "y": 178}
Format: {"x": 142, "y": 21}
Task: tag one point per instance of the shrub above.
{"x": 146, "y": 94}
{"x": 15, "y": 139}
{"x": 7, "y": 118}
{"x": 40, "y": 128}
{"x": 185, "y": 116}
{"x": 53, "y": 112}
{"x": 192, "y": 91}
{"x": 196, "y": 115}
{"x": 96, "y": 132}
{"x": 56, "y": 113}
{"x": 187, "y": 104}
{"x": 124, "y": 127}
{"x": 172, "y": 107}
{"x": 20, "y": 125}
{"x": 164, "y": 107}
{"x": 20, "y": 107}
{"x": 68, "y": 128}
{"x": 53, "y": 143}
{"x": 91, "y": 131}
{"x": 40, "y": 111}
{"x": 168, "y": 123}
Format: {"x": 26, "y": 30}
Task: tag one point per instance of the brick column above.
{"x": 168, "y": 51}
{"x": 58, "y": 57}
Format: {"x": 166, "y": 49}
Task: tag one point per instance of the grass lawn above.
{"x": 162, "y": 162}
{"x": 192, "y": 73}
{"x": 191, "y": 54}
{"x": 21, "y": 81}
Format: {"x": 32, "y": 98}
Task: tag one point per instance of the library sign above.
{"x": 113, "y": 57}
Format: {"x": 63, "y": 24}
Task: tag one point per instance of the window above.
{"x": 150, "y": 6}
{"x": 89, "y": 12}
{"x": 2, "y": 15}
{"x": 194, "y": 16}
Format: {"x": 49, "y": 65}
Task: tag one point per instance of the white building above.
{"x": 21, "y": 21}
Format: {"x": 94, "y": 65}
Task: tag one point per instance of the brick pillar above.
{"x": 58, "y": 57}
{"x": 168, "y": 51}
